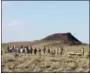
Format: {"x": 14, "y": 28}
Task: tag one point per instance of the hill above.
{"x": 52, "y": 40}
{"x": 66, "y": 38}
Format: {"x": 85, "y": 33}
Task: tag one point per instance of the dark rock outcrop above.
{"x": 67, "y": 38}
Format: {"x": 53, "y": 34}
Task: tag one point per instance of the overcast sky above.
{"x": 33, "y": 20}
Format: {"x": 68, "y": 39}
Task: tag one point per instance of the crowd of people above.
{"x": 30, "y": 50}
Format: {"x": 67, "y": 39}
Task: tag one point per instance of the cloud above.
{"x": 13, "y": 30}
{"x": 15, "y": 25}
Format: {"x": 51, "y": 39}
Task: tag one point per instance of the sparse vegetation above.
{"x": 22, "y": 62}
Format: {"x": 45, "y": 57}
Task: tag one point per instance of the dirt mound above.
{"x": 67, "y": 38}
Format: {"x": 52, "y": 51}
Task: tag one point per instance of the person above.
{"x": 53, "y": 52}
{"x": 27, "y": 49}
{"x": 61, "y": 50}
{"x": 30, "y": 50}
{"x": 82, "y": 50}
{"x": 9, "y": 49}
{"x": 17, "y": 49}
{"x": 35, "y": 51}
{"x": 21, "y": 49}
{"x": 13, "y": 50}
{"x": 39, "y": 50}
{"x": 48, "y": 50}
{"x": 44, "y": 49}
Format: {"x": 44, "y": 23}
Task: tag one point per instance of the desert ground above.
{"x": 23, "y": 62}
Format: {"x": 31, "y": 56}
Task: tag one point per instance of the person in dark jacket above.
{"x": 61, "y": 50}
{"x": 9, "y": 49}
{"x": 44, "y": 50}
{"x": 48, "y": 50}
{"x": 35, "y": 51}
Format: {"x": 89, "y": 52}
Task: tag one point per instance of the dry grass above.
{"x": 14, "y": 62}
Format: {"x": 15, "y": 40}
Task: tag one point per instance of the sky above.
{"x": 34, "y": 20}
